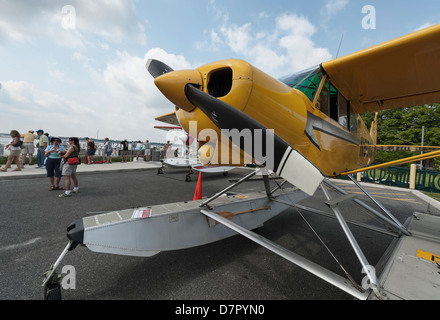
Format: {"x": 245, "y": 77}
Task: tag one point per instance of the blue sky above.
{"x": 88, "y": 78}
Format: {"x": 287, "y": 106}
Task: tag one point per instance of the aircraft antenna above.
{"x": 340, "y": 43}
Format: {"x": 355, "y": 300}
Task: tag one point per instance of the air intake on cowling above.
{"x": 220, "y": 83}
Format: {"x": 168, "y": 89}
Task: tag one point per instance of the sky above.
{"x": 77, "y": 67}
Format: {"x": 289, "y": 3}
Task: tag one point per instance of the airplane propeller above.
{"x": 182, "y": 88}
{"x": 287, "y": 162}
{"x": 157, "y": 68}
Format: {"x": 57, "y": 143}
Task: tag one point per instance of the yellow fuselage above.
{"x": 276, "y": 106}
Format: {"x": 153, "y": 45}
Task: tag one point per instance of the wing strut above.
{"x": 327, "y": 275}
{"x": 399, "y": 225}
{"x": 347, "y": 285}
{"x": 393, "y": 222}
{"x": 366, "y": 267}
{"x": 425, "y": 156}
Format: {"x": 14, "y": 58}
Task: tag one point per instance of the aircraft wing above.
{"x": 169, "y": 118}
{"x": 399, "y": 73}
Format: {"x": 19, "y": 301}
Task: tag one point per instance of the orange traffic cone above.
{"x": 198, "y": 192}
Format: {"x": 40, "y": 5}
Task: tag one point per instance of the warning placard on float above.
{"x": 141, "y": 213}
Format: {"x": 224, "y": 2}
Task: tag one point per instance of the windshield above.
{"x": 306, "y": 81}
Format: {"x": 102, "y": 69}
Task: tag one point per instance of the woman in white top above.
{"x": 14, "y": 151}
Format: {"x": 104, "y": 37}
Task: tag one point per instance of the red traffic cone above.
{"x": 198, "y": 192}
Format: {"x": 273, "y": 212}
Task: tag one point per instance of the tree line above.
{"x": 404, "y": 127}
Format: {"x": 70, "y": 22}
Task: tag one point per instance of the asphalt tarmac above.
{"x": 33, "y": 234}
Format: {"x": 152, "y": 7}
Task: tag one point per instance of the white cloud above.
{"x": 174, "y": 61}
{"x": 424, "y": 26}
{"x": 285, "y": 49}
{"x": 301, "y": 50}
{"x": 113, "y": 20}
{"x": 124, "y": 107}
{"x": 19, "y": 20}
{"x": 332, "y": 7}
{"x": 216, "y": 13}
{"x": 56, "y": 114}
{"x": 295, "y": 25}
{"x": 132, "y": 100}
{"x": 67, "y": 38}
{"x": 263, "y": 14}
{"x": 213, "y": 44}
{"x": 56, "y": 74}
{"x": 238, "y": 38}
{"x": 117, "y": 95}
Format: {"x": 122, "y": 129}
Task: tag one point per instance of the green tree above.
{"x": 404, "y": 127}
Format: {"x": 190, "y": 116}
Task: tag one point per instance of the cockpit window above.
{"x": 306, "y": 81}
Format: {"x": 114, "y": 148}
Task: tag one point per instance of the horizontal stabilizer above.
{"x": 169, "y": 118}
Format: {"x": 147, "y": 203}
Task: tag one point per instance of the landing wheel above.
{"x": 159, "y": 171}
{"x": 188, "y": 178}
{"x": 52, "y": 292}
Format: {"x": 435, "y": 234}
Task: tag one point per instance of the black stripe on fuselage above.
{"x": 227, "y": 117}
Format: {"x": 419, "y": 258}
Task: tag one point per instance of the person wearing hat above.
{"x": 53, "y": 163}
{"x": 42, "y": 145}
{"x": 28, "y": 146}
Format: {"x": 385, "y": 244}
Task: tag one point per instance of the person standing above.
{"x": 28, "y": 146}
{"x": 147, "y": 150}
{"x": 124, "y": 153}
{"x": 165, "y": 149}
{"x": 138, "y": 149}
{"x": 69, "y": 170}
{"x": 42, "y": 145}
{"x": 53, "y": 163}
{"x": 108, "y": 150}
{"x": 91, "y": 149}
{"x": 14, "y": 147}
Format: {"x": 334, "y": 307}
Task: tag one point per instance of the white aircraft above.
{"x": 182, "y": 151}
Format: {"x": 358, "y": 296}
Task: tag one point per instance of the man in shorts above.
{"x": 125, "y": 152}
{"x": 28, "y": 146}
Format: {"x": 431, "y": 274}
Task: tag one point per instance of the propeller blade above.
{"x": 157, "y": 68}
{"x": 287, "y": 162}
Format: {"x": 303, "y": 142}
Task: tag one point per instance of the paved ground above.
{"x": 33, "y": 225}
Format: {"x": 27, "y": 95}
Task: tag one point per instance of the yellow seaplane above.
{"x": 304, "y": 128}
{"x": 313, "y": 117}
